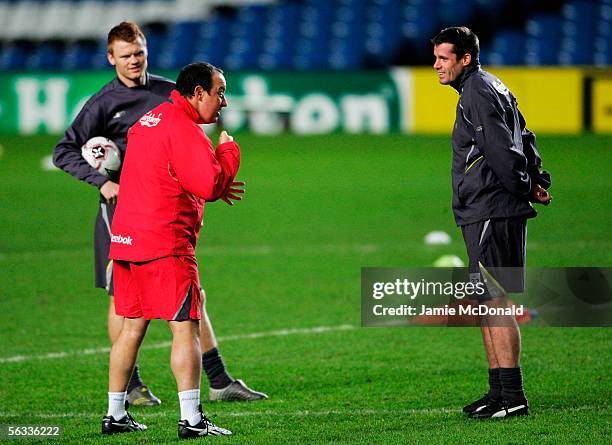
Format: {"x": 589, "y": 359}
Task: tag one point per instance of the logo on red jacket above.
{"x": 120, "y": 239}
{"x": 150, "y": 119}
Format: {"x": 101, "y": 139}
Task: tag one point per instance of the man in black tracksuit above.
{"x": 496, "y": 176}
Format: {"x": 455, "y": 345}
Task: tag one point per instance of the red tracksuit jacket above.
{"x": 170, "y": 170}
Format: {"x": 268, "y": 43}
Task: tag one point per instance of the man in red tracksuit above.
{"x": 170, "y": 171}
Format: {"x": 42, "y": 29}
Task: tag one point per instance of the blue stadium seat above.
{"x": 214, "y": 40}
{"x": 15, "y": 55}
{"x": 346, "y": 46}
{"x": 308, "y": 56}
{"x": 247, "y": 38}
{"x": 419, "y": 23}
{"x": 280, "y": 36}
{"x": 46, "y": 56}
{"x": 419, "y": 19}
{"x": 79, "y": 55}
{"x": 603, "y": 52}
{"x": 452, "y": 12}
{"x": 579, "y": 30}
{"x": 506, "y": 48}
{"x": 313, "y": 40}
{"x": 383, "y": 31}
{"x": 543, "y": 43}
{"x": 180, "y": 45}
{"x": 155, "y": 43}
{"x": 344, "y": 55}
{"x": 99, "y": 59}
{"x": 603, "y": 41}
{"x": 340, "y": 34}
{"x": 485, "y": 53}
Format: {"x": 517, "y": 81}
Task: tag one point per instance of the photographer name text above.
{"x": 446, "y": 310}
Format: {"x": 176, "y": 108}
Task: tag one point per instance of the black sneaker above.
{"x": 125, "y": 425}
{"x": 478, "y": 404}
{"x": 204, "y": 428}
{"x": 502, "y": 408}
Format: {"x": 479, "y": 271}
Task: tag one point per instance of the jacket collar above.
{"x": 146, "y": 85}
{"x": 467, "y": 72}
{"x": 184, "y": 105}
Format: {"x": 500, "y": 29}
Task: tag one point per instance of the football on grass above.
{"x": 103, "y": 155}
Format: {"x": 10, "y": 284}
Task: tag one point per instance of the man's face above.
{"x": 447, "y": 65}
{"x": 209, "y": 104}
{"x": 129, "y": 60}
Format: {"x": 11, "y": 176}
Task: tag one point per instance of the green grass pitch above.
{"x": 288, "y": 257}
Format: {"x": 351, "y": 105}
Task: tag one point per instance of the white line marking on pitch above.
{"x": 302, "y": 413}
{"x": 166, "y": 344}
{"x": 46, "y": 164}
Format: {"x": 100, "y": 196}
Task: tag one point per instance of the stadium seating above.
{"x": 603, "y": 39}
{"x": 279, "y": 37}
{"x": 507, "y": 48}
{"x": 303, "y": 34}
{"x": 79, "y": 55}
{"x": 543, "y": 39}
{"x": 579, "y": 32}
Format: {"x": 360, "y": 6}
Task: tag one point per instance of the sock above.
{"x": 214, "y": 367}
{"x": 135, "y": 380}
{"x": 512, "y": 384}
{"x": 116, "y": 405}
{"x": 495, "y": 386}
{"x": 190, "y": 406}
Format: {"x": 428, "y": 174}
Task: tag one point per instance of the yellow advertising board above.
{"x": 551, "y": 99}
{"x": 602, "y": 105}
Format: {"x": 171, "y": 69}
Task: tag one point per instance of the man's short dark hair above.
{"x": 125, "y": 31}
{"x": 194, "y": 74}
{"x": 464, "y": 41}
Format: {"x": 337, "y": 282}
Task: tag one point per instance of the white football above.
{"x": 103, "y": 155}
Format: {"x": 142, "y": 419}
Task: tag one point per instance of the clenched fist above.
{"x": 224, "y": 137}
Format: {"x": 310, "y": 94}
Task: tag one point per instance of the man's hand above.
{"x": 233, "y": 192}
{"x": 110, "y": 190}
{"x": 540, "y": 195}
{"x": 224, "y": 137}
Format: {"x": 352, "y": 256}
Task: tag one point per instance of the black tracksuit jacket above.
{"x": 495, "y": 160}
{"x": 109, "y": 113}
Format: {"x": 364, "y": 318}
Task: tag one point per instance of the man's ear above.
{"x": 110, "y": 58}
{"x": 467, "y": 59}
{"x": 198, "y": 91}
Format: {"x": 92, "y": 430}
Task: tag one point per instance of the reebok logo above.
{"x": 127, "y": 240}
{"x": 150, "y": 119}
